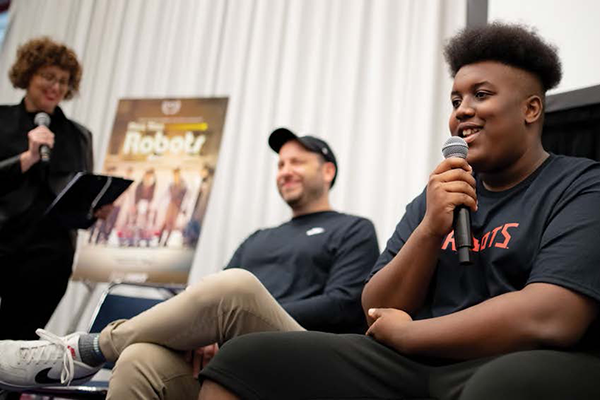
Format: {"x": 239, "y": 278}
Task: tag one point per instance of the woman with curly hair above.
{"x": 36, "y": 254}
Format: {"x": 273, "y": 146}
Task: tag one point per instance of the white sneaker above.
{"x": 52, "y": 361}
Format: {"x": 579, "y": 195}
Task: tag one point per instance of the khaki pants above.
{"x": 148, "y": 349}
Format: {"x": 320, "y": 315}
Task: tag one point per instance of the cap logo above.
{"x": 324, "y": 150}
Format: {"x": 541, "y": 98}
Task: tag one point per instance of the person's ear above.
{"x": 534, "y": 108}
{"x": 328, "y": 172}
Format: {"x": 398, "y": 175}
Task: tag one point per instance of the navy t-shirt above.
{"x": 315, "y": 265}
{"x": 545, "y": 229}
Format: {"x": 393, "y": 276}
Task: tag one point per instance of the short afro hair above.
{"x": 511, "y": 44}
{"x": 42, "y": 52}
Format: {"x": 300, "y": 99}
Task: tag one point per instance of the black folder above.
{"x": 74, "y": 207}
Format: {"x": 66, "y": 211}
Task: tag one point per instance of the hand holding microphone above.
{"x": 41, "y": 140}
{"x": 43, "y": 119}
{"x": 457, "y": 147}
{"x": 450, "y": 195}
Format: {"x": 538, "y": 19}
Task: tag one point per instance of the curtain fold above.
{"x": 367, "y": 76}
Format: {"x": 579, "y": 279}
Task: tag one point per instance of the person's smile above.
{"x": 469, "y": 131}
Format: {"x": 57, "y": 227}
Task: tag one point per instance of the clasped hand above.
{"x": 389, "y": 326}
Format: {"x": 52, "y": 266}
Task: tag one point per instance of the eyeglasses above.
{"x": 51, "y": 79}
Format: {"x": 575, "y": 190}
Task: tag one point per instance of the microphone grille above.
{"x": 455, "y": 147}
{"x": 41, "y": 118}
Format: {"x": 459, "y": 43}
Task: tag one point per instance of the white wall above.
{"x": 572, "y": 25}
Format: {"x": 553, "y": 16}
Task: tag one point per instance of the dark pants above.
{"x": 313, "y": 365}
{"x": 34, "y": 273}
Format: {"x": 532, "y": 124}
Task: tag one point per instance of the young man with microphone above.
{"x": 520, "y": 322}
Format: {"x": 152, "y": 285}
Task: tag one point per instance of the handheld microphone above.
{"x": 457, "y": 147}
{"x": 40, "y": 119}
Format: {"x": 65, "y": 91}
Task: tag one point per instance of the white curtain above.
{"x": 366, "y": 75}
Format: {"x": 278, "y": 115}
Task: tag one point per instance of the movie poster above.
{"x": 169, "y": 148}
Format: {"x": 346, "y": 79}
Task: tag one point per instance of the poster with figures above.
{"x": 169, "y": 148}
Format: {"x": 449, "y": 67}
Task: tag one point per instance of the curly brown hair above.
{"x": 42, "y": 52}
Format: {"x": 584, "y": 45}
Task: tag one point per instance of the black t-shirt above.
{"x": 315, "y": 265}
{"x": 545, "y": 229}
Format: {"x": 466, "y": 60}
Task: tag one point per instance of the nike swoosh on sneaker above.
{"x": 43, "y": 378}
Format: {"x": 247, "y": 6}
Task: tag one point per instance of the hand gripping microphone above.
{"x": 40, "y": 119}
{"x": 457, "y": 147}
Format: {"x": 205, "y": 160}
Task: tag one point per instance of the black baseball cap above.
{"x": 281, "y": 136}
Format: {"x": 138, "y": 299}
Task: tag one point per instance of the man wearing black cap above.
{"x": 314, "y": 194}
{"x": 307, "y": 273}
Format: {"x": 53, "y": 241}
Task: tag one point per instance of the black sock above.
{"x": 90, "y": 350}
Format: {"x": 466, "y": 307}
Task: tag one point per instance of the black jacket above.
{"x": 22, "y": 192}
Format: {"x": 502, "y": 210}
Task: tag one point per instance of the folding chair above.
{"x": 120, "y": 300}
